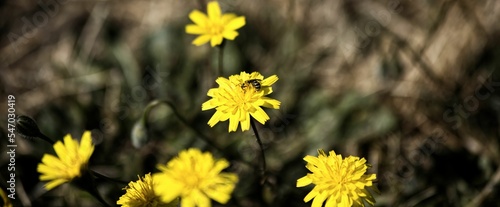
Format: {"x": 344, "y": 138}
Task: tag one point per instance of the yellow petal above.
{"x": 200, "y": 199}
{"x": 311, "y": 159}
{"x": 54, "y": 183}
{"x": 210, "y": 104}
{"x": 219, "y": 197}
{"x": 198, "y": 18}
{"x": 86, "y": 147}
{"x": 226, "y": 18}
{"x": 166, "y": 187}
{"x": 319, "y": 199}
{"x": 214, "y": 12}
{"x": 331, "y": 202}
{"x": 195, "y": 29}
{"x": 245, "y": 123}
{"x": 233, "y": 123}
{"x": 236, "y": 23}
{"x": 70, "y": 144}
{"x": 303, "y": 181}
{"x": 270, "y": 80}
{"x": 311, "y": 195}
{"x": 230, "y": 34}
{"x": 270, "y": 103}
{"x": 255, "y": 75}
{"x": 188, "y": 202}
{"x": 201, "y": 40}
{"x": 212, "y": 92}
{"x": 260, "y": 115}
{"x": 216, "y": 40}
{"x": 215, "y": 118}
{"x": 60, "y": 149}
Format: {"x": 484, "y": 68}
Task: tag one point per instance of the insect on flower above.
{"x": 255, "y": 83}
{"x": 237, "y": 99}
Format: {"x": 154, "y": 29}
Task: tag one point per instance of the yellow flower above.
{"x": 215, "y": 26}
{"x": 341, "y": 182}
{"x": 196, "y": 178}
{"x": 142, "y": 194}
{"x": 5, "y": 201}
{"x": 239, "y": 97}
{"x": 71, "y": 161}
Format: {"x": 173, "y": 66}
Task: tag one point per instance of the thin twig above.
{"x": 487, "y": 190}
{"x": 424, "y": 66}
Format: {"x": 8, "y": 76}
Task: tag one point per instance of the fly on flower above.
{"x": 255, "y": 83}
{"x": 240, "y": 97}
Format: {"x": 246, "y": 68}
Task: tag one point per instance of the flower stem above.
{"x": 200, "y": 134}
{"x": 181, "y": 118}
{"x": 99, "y": 175}
{"x": 220, "y": 67}
{"x": 87, "y": 183}
{"x": 96, "y": 195}
{"x": 262, "y": 156}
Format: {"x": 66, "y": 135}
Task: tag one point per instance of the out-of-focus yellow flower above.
{"x": 5, "y": 201}
{"x": 141, "y": 194}
{"x": 196, "y": 178}
{"x": 71, "y": 161}
{"x": 339, "y": 182}
{"x": 240, "y": 97}
{"x": 214, "y": 27}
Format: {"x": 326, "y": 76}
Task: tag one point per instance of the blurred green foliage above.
{"x": 97, "y": 65}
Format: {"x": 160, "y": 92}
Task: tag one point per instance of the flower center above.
{"x": 192, "y": 181}
{"x": 216, "y": 29}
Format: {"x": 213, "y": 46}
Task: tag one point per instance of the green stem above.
{"x": 220, "y": 68}
{"x": 204, "y": 137}
{"x": 98, "y": 197}
{"x": 47, "y": 139}
{"x": 99, "y": 175}
{"x": 181, "y": 118}
{"x": 262, "y": 155}
{"x": 87, "y": 183}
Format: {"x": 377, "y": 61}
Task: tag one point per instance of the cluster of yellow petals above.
{"x": 141, "y": 194}
{"x": 339, "y": 182}
{"x": 215, "y": 27}
{"x": 71, "y": 160}
{"x": 236, "y": 99}
{"x": 195, "y": 177}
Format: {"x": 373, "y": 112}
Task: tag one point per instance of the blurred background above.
{"x": 412, "y": 86}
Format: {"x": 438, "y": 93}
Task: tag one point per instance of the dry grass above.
{"x": 410, "y": 85}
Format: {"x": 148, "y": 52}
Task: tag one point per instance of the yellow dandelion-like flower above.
{"x": 71, "y": 161}
{"x": 196, "y": 178}
{"x": 240, "y": 97}
{"x": 341, "y": 182}
{"x": 5, "y": 201}
{"x": 214, "y": 27}
{"x": 141, "y": 194}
